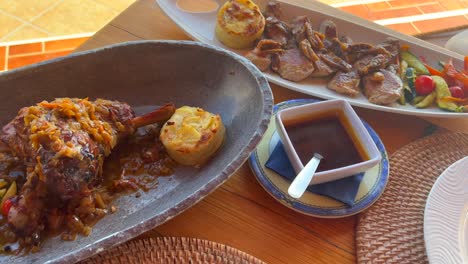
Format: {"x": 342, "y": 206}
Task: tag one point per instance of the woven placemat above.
{"x": 392, "y": 231}
{"x": 172, "y": 250}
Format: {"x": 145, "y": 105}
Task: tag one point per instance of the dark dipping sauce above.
{"x": 329, "y": 134}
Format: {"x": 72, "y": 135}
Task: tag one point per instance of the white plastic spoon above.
{"x": 302, "y": 180}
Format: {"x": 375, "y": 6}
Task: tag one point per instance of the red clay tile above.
{"x": 452, "y": 4}
{"x": 20, "y": 61}
{"x": 379, "y": 6}
{"x": 404, "y": 3}
{"x": 432, "y": 8}
{"x": 393, "y": 13}
{"x": 2, "y": 57}
{"x": 406, "y": 28}
{"x": 440, "y": 23}
{"x": 64, "y": 44}
{"x": 25, "y": 48}
{"x": 358, "y": 10}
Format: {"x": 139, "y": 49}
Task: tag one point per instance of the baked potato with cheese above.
{"x": 192, "y": 135}
{"x": 239, "y": 23}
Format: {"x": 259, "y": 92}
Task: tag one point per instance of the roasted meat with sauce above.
{"x": 382, "y": 87}
{"x": 63, "y": 144}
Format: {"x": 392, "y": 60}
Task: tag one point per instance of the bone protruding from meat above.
{"x": 159, "y": 115}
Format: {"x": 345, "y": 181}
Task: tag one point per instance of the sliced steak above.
{"x": 261, "y": 55}
{"x": 262, "y": 61}
{"x": 298, "y": 29}
{"x": 383, "y": 87}
{"x": 292, "y": 65}
{"x": 371, "y": 63}
{"x": 328, "y": 28}
{"x": 277, "y": 30}
{"x": 335, "y": 62}
{"x": 273, "y": 9}
{"x": 345, "y": 83}
{"x": 358, "y": 50}
{"x": 322, "y": 69}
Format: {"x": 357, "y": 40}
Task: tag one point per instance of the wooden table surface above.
{"x": 240, "y": 213}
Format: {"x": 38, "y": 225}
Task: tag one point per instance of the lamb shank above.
{"x": 63, "y": 144}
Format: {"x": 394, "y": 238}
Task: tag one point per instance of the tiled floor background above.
{"x": 29, "y": 19}
{"x": 37, "y": 30}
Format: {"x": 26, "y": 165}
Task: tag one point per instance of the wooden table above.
{"x": 240, "y": 213}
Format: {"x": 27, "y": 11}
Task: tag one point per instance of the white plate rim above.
{"x": 446, "y": 216}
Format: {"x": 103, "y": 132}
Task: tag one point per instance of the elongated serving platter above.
{"x": 201, "y": 26}
{"x": 145, "y": 74}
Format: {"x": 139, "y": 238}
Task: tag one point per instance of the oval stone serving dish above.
{"x": 145, "y": 74}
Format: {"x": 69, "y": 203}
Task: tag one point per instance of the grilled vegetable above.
{"x": 10, "y": 193}
{"x": 427, "y": 101}
{"x": 424, "y": 85}
{"x": 443, "y": 91}
{"x": 409, "y": 90}
{"x": 414, "y": 62}
{"x": 3, "y": 183}
{"x": 403, "y": 68}
{"x": 457, "y": 92}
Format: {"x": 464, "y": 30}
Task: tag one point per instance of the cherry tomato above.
{"x": 424, "y": 85}
{"x": 6, "y": 207}
{"x": 457, "y": 92}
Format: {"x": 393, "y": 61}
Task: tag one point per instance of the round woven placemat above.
{"x": 172, "y": 250}
{"x": 392, "y": 231}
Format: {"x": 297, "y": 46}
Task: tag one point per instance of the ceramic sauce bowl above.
{"x": 332, "y": 129}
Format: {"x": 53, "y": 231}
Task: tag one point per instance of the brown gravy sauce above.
{"x": 329, "y": 134}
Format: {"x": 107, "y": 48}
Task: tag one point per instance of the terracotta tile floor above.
{"x": 29, "y": 19}
{"x": 35, "y": 30}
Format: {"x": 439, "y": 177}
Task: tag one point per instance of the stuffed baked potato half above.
{"x": 192, "y": 135}
{"x": 239, "y": 23}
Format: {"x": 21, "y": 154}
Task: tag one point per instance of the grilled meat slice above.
{"x": 307, "y": 50}
{"x": 371, "y": 63}
{"x": 292, "y": 65}
{"x": 273, "y": 9}
{"x": 328, "y": 28}
{"x": 335, "y": 46}
{"x": 261, "y": 55}
{"x": 63, "y": 144}
{"x": 383, "y": 87}
{"x": 356, "y": 51}
{"x": 393, "y": 47}
{"x": 297, "y": 28}
{"x": 315, "y": 38}
{"x": 277, "y": 30}
{"x": 262, "y": 61}
{"x": 322, "y": 69}
{"x": 335, "y": 62}
{"x": 345, "y": 83}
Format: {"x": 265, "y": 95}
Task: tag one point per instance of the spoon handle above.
{"x": 302, "y": 180}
